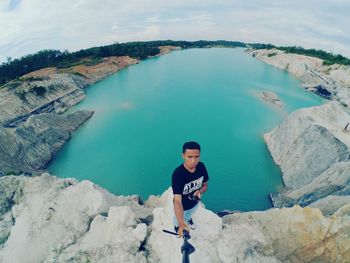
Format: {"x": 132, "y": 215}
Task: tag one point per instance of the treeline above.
{"x": 13, "y": 69}
{"x": 329, "y": 58}
{"x": 55, "y": 58}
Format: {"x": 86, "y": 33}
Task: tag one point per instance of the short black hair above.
{"x": 191, "y": 146}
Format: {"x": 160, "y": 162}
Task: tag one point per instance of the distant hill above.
{"x": 328, "y": 58}
{"x": 13, "y": 69}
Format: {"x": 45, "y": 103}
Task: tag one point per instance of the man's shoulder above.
{"x": 201, "y": 165}
{"x": 177, "y": 176}
{"x": 179, "y": 169}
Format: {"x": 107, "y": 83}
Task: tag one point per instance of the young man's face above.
{"x": 191, "y": 158}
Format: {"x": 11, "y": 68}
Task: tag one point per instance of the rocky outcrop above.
{"x": 303, "y": 236}
{"x": 95, "y": 71}
{"x": 46, "y": 219}
{"x": 53, "y": 89}
{"x": 328, "y": 191}
{"x": 312, "y": 149}
{"x": 31, "y": 131}
{"x": 271, "y": 98}
{"x": 312, "y": 145}
{"x": 60, "y": 220}
{"x": 330, "y": 82}
{"x": 308, "y": 142}
{"x": 167, "y": 49}
{"x": 31, "y": 145}
{"x": 21, "y": 99}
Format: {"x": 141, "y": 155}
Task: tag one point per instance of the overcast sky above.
{"x": 27, "y": 26}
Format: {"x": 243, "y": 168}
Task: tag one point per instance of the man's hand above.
{"x": 181, "y": 229}
{"x": 198, "y": 194}
{"x": 202, "y": 190}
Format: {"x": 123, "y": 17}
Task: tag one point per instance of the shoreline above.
{"x": 89, "y": 72}
{"x": 50, "y": 91}
{"x": 94, "y": 73}
{"x": 322, "y": 128}
{"x": 76, "y": 221}
{"x": 329, "y": 82}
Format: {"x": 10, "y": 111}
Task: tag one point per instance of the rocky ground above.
{"x": 47, "y": 219}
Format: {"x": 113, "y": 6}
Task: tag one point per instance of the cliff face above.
{"x": 46, "y": 219}
{"x": 32, "y": 124}
{"x": 52, "y": 89}
{"x": 311, "y": 146}
{"x": 20, "y": 99}
{"x": 331, "y": 82}
{"x": 31, "y": 145}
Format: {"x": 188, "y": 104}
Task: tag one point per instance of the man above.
{"x": 189, "y": 182}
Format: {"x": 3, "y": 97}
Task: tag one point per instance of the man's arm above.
{"x": 203, "y": 189}
{"x": 179, "y": 213}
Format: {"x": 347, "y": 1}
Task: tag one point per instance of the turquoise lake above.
{"x": 144, "y": 113}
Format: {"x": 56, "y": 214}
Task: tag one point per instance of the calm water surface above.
{"x": 144, "y": 113}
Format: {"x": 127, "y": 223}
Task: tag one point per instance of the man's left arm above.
{"x": 202, "y": 190}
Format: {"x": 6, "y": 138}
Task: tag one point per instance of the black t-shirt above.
{"x": 186, "y": 183}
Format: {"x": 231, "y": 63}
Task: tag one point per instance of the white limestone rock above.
{"x": 113, "y": 238}
{"x": 297, "y": 234}
{"x": 276, "y": 235}
{"x": 213, "y": 241}
{"x": 18, "y": 99}
{"x": 54, "y": 217}
{"x": 333, "y": 181}
{"x": 331, "y": 203}
{"x": 315, "y": 76}
{"x": 298, "y": 65}
{"x": 30, "y": 146}
{"x": 47, "y": 219}
{"x": 308, "y": 142}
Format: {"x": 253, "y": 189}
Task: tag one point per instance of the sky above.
{"x": 27, "y": 26}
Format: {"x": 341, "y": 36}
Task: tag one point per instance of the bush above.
{"x": 272, "y": 54}
{"x": 22, "y": 95}
{"x": 55, "y": 58}
{"x": 79, "y": 74}
{"x": 39, "y": 90}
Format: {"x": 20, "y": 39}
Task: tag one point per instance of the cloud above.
{"x": 32, "y": 25}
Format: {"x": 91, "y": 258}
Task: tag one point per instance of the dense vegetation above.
{"x": 13, "y": 69}
{"x": 328, "y": 58}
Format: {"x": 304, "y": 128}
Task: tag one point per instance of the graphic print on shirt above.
{"x": 192, "y": 186}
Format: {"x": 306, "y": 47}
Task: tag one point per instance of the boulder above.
{"x": 48, "y": 219}
{"x": 308, "y": 142}
{"x": 334, "y": 181}
{"x": 63, "y": 220}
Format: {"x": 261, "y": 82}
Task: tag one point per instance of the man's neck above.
{"x": 188, "y": 169}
